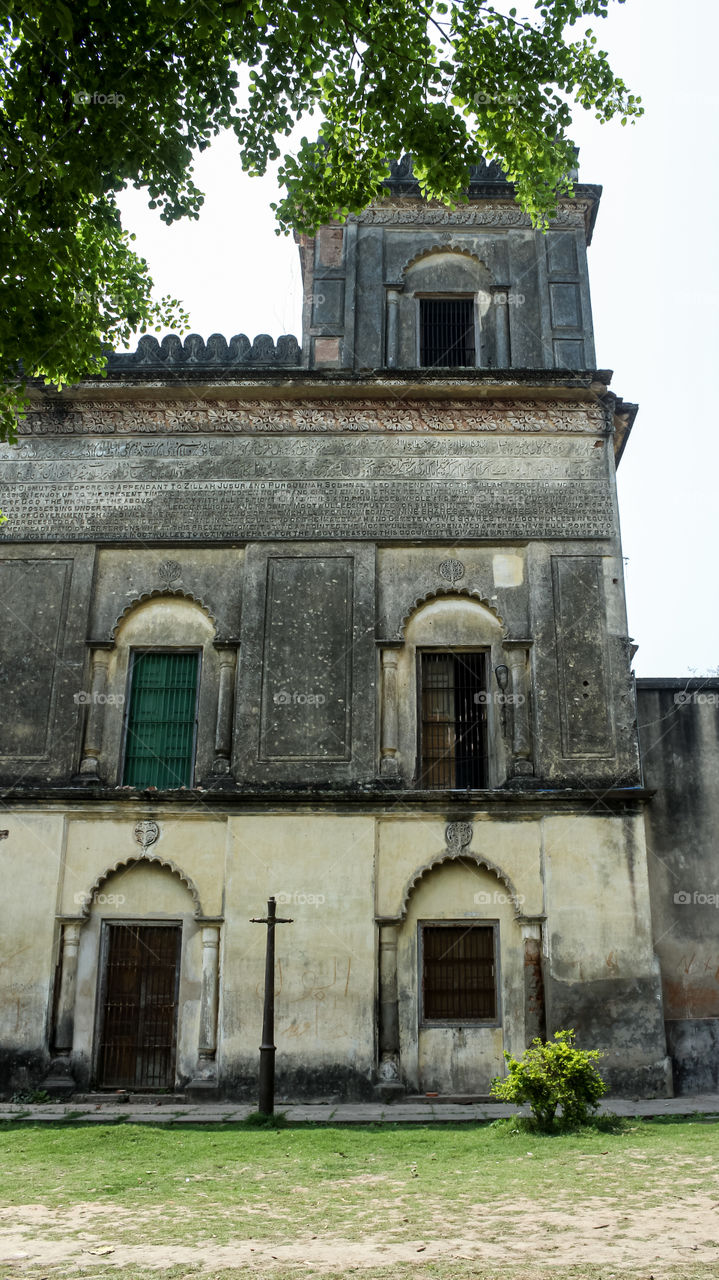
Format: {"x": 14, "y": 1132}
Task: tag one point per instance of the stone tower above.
{"x": 364, "y": 282}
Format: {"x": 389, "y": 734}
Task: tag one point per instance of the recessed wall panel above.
{"x": 32, "y": 613}
{"x": 307, "y": 671}
{"x": 568, "y": 353}
{"x": 582, "y": 658}
{"x": 566, "y": 307}
{"x": 561, "y": 252}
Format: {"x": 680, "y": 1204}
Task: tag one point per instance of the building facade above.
{"x": 343, "y": 623}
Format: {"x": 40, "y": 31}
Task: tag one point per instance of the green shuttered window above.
{"x": 160, "y": 736}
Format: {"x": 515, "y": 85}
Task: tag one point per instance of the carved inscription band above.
{"x": 48, "y": 460}
{"x": 542, "y": 475}
{"x": 227, "y": 510}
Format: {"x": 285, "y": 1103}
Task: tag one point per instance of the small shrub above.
{"x": 553, "y": 1075}
{"x": 31, "y": 1095}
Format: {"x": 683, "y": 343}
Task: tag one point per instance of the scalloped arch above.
{"x": 157, "y": 594}
{"x": 457, "y": 250}
{"x": 132, "y": 860}
{"x": 441, "y": 593}
{"x": 447, "y": 856}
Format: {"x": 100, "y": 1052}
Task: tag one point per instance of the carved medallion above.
{"x": 458, "y": 836}
{"x": 452, "y": 570}
{"x": 146, "y": 833}
{"x": 169, "y": 573}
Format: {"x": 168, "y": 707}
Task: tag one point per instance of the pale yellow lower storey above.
{"x": 569, "y": 889}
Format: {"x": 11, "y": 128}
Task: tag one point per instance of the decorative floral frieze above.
{"x": 485, "y": 213}
{"x": 140, "y": 417}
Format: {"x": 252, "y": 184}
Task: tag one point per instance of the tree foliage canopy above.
{"x": 101, "y": 94}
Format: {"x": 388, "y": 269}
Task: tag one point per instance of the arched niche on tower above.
{"x": 454, "y": 1052}
{"x": 440, "y": 273}
{"x": 142, "y": 893}
{"x": 451, "y": 622}
{"x": 171, "y": 622}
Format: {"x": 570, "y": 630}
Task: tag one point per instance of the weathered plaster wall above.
{"x": 584, "y": 698}
{"x": 679, "y": 731}
{"x": 29, "y": 870}
{"x": 603, "y": 974}
{"x": 321, "y": 870}
{"x": 45, "y": 594}
{"x": 407, "y": 576}
{"x": 211, "y": 577}
{"x": 306, "y": 699}
{"x": 408, "y": 845}
{"x": 339, "y": 875}
{"x": 97, "y": 843}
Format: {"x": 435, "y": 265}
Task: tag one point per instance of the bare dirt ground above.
{"x": 657, "y": 1241}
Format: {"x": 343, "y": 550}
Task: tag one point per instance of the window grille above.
{"x": 453, "y": 734}
{"x": 160, "y": 734}
{"x": 459, "y": 973}
{"x": 446, "y": 332}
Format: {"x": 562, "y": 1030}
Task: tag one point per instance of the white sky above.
{"x": 654, "y": 269}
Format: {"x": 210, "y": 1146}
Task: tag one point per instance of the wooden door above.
{"x": 139, "y": 1007}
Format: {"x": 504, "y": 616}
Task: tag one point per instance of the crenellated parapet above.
{"x": 486, "y": 178}
{"x": 403, "y": 181}
{"x": 216, "y": 352}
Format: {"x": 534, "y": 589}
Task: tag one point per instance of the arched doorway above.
{"x": 460, "y": 962}
{"x": 134, "y": 1008}
{"x": 138, "y": 1004}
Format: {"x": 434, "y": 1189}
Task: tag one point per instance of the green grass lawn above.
{"x": 425, "y": 1187}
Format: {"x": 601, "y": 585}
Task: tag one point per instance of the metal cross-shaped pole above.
{"x": 267, "y": 1048}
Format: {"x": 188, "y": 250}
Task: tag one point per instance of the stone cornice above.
{"x": 302, "y": 384}
{"x": 470, "y": 806}
{"x": 377, "y": 401}
{"x": 688, "y": 684}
